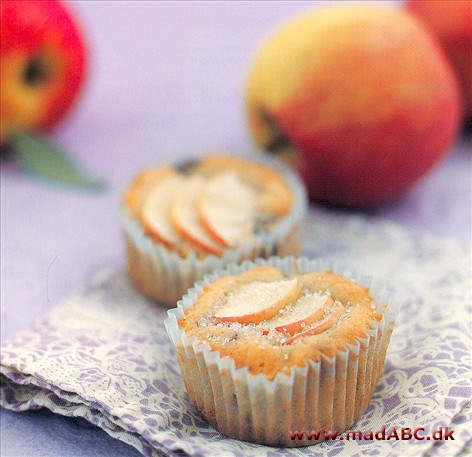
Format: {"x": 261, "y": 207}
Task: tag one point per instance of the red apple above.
{"x": 361, "y": 99}
{"x": 42, "y": 64}
{"x": 452, "y": 22}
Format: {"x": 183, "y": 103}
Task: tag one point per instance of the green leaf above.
{"x": 37, "y": 156}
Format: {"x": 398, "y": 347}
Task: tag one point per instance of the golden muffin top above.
{"x": 206, "y": 206}
{"x": 269, "y": 322}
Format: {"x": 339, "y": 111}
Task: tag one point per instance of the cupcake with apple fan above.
{"x": 181, "y": 222}
{"x": 280, "y": 345}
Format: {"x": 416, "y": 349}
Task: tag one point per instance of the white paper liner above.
{"x": 164, "y": 276}
{"x": 331, "y": 394}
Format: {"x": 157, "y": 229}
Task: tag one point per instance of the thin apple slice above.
{"x": 257, "y": 301}
{"x": 136, "y": 195}
{"x": 184, "y": 216}
{"x": 275, "y": 194}
{"x": 294, "y": 319}
{"x": 227, "y": 208}
{"x": 319, "y": 327}
{"x": 155, "y": 214}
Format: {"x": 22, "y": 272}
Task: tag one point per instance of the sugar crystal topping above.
{"x": 274, "y": 313}
{"x": 256, "y": 297}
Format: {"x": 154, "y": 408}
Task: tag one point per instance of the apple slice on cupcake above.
{"x": 155, "y": 212}
{"x": 297, "y": 317}
{"x": 136, "y": 195}
{"x": 275, "y": 197}
{"x": 320, "y": 326}
{"x": 184, "y": 216}
{"x": 257, "y": 301}
{"x": 227, "y": 208}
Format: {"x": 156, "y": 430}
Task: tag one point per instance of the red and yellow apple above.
{"x": 361, "y": 99}
{"x": 42, "y": 64}
{"x": 452, "y": 22}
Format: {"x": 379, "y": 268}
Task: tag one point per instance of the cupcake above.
{"x": 272, "y": 348}
{"x": 181, "y": 222}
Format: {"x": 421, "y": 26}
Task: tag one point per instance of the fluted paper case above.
{"x": 329, "y": 394}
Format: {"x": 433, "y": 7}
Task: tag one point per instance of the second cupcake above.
{"x": 183, "y": 222}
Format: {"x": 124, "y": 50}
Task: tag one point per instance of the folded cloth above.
{"x": 103, "y": 354}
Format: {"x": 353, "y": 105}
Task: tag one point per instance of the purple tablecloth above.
{"x": 165, "y": 79}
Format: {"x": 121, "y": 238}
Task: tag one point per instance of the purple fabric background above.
{"x": 165, "y": 79}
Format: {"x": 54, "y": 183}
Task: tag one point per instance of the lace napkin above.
{"x": 103, "y": 354}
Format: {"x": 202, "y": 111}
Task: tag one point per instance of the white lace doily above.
{"x": 103, "y": 354}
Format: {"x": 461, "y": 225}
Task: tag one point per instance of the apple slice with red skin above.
{"x": 258, "y": 301}
{"x": 135, "y": 197}
{"x": 307, "y": 310}
{"x": 318, "y": 327}
{"x": 184, "y": 216}
{"x": 275, "y": 195}
{"x": 227, "y": 208}
{"x": 155, "y": 213}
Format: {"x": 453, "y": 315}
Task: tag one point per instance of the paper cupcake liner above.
{"x": 330, "y": 394}
{"x": 164, "y": 276}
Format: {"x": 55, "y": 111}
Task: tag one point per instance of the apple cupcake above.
{"x": 181, "y": 222}
{"x": 284, "y": 345}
